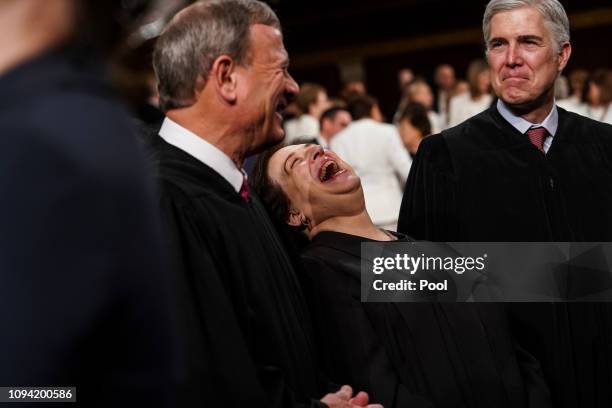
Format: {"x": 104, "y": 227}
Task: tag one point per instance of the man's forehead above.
{"x": 268, "y": 39}
{"x": 520, "y": 21}
{"x": 263, "y": 30}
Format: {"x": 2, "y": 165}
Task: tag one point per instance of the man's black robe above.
{"x": 484, "y": 181}
{"x": 246, "y": 331}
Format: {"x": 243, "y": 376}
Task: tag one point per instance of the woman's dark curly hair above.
{"x": 274, "y": 198}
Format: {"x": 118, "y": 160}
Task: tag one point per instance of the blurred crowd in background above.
{"x": 425, "y": 107}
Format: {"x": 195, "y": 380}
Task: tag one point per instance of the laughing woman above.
{"x": 412, "y": 355}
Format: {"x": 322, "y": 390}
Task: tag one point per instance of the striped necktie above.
{"x": 536, "y": 136}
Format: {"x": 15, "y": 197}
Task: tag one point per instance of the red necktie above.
{"x": 536, "y": 137}
{"x": 244, "y": 190}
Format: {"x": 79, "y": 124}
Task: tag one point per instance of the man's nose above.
{"x": 291, "y": 88}
{"x": 513, "y": 56}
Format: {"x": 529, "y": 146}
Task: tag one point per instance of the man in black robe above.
{"x": 526, "y": 170}
{"x": 223, "y": 82}
{"x": 83, "y": 298}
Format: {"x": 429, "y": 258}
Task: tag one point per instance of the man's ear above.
{"x": 295, "y": 218}
{"x": 223, "y": 73}
{"x": 564, "y": 55}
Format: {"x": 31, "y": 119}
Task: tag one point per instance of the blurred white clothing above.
{"x": 462, "y": 107}
{"x": 305, "y": 126}
{"x": 380, "y": 159}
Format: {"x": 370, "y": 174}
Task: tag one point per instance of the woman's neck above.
{"x": 360, "y": 225}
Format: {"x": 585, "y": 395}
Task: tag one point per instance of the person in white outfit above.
{"x": 605, "y": 96}
{"x": 377, "y": 154}
{"x": 311, "y": 101}
{"x": 598, "y": 95}
{"x": 577, "y": 79}
{"x": 478, "y": 99}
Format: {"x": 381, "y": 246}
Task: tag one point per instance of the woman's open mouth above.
{"x": 329, "y": 170}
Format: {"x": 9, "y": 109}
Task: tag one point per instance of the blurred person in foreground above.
{"x": 378, "y": 156}
{"x": 413, "y": 355}
{"x": 525, "y": 170}
{"x": 223, "y": 80}
{"x": 81, "y": 288}
{"x": 478, "y": 98}
{"x": 312, "y": 101}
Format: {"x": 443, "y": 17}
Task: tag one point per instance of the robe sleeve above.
{"x": 538, "y": 394}
{"x": 214, "y": 367}
{"x": 350, "y": 349}
{"x": 429, "y": 206}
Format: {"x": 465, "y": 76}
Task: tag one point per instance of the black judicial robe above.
{"x": 246, "y": 330}
{"x": 484, "y": 181}
{"x": 412, "y": 355}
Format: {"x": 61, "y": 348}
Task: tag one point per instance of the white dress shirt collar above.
{"x": 550, "y": 123}
{"x": 195, "y": 146}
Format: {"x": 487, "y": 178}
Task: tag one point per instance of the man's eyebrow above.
{"x": 496, "y": 39}
{"x": 523, "y": 38}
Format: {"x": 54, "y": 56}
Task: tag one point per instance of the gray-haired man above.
{"x": 526, "y": 170}
{"x": 223, "y": 82}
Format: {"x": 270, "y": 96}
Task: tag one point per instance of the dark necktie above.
{"x": 244, "y": 190}
{"x": 536, "y": 137}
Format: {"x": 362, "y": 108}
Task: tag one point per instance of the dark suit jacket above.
{"x": 82, "y": 298}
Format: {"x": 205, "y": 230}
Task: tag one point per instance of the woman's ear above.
{"x": 223, "y": 72}
{"x": 298, "y": 219}
{"x": 295, "y": 218}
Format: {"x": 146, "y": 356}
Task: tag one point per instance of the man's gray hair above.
{"x": 195, "y": 37}
{"x": 553, "y": 12}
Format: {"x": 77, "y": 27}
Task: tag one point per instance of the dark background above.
{"x": 379, "y": 37}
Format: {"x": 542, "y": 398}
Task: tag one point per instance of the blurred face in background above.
{"x": 321, "y": 104}
{"x": 445, "y": 77}
{"x": 484, "y": 82}
{"x": 331, "y": 126}
{"x": 404, "y": 77}
{"x": 421, "y": 93}
{"x": 594, "y": 94}
{"x": 411, "y": 136}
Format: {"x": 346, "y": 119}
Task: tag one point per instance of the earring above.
{"x": 305, "y": 222}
